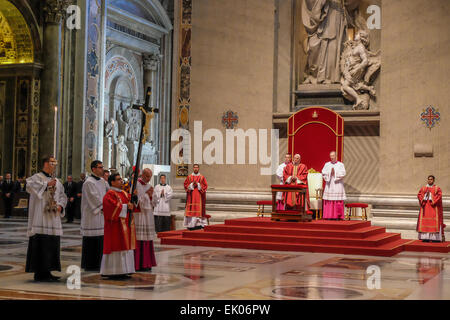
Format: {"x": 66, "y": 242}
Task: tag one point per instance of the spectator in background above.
{"x": 9, "y": 188}
{"x": 70, "y": 189}
{"x": 22, "y": 184}
{"x": 79, "y": 194}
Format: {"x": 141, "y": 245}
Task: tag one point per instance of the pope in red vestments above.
{"x": 120, "y": 234}
{"x": 195, "y": 186}
{"x": 430, "y": 223}
{"x": 295, "y": 173}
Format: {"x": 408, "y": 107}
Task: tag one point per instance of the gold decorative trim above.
{"x": 318, "y": 122}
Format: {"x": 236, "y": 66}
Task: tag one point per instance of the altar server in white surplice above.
{"x": 161, "y": 198}
{"x": 280, "y": 170}
{"x": 92, "y": 220}
{"x": 144, "y": 254}
{"x": 47, "y": 201}
{"x": 334, "y": 194}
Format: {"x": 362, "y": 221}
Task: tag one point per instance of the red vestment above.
{"x": 300, "y": 171}
{"x": 431, "y": 215}
{"x": 119, "y": 236}
{"x": 195, "y": 199}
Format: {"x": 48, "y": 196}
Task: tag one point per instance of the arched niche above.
{"x": 128, "y": 64}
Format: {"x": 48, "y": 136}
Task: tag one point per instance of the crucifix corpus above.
{"x": 148, "y": 113}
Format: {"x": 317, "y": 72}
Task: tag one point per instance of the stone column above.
{"x": 150, "y": 62}
{"x": 165, "y": 134}
{"x": 54, "y": 12}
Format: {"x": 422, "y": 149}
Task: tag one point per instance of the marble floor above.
{"x": 213, "y": 273}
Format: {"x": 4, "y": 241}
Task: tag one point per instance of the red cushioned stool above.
{"x": 207, "y": 216}
{"x": 262, "y": 203}
{"x": 351, "y": 210}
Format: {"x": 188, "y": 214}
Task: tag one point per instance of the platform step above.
{"x": 319, "y": 224}
{"x": 419, "y": 246}
{"x": 372, "y": 241}
{"x": 387, "y": 250}
{"x": 172, "y": 233}
{"x": 359, "y": 233}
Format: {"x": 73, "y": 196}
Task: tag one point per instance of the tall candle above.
{"x": 54, "y": 132}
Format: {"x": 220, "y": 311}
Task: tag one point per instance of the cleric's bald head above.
{"x": 147, "y": 175}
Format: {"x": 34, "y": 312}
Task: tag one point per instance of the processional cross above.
{"x": 148, "y": 114}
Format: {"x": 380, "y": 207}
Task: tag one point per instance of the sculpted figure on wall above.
{"x": 133, "y": 130}
{"x": 111, "y": 130}
{"x": 359, "y": 69}
{"x": 122, "y": 162}
{"x": 123, "y": 125}
{"x": 326, "y": 23}
{"x": 132, "y": 119}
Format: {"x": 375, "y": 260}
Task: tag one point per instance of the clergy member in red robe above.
{"x": 195, "y": 213}
{"x": 430, "y": 224}
{"x": 120, "y": 235}
{"x": 295, "y": 173}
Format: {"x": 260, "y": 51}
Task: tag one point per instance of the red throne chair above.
{"x": 313, "y": 133}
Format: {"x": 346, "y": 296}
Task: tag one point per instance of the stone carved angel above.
{"x": 359, "y": 68}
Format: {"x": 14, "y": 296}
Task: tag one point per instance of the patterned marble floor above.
{"x": 214, "y": 273}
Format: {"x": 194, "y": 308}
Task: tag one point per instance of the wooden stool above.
{"x": 260, "y": 204}
{"x": 207, "y": 216}
{"x": 351, "y": 210}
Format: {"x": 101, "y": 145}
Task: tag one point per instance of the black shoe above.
{"x": 43, "y": 277}
{"x": 54, "y": 278}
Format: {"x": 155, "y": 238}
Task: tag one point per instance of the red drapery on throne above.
{"x": 313, "y": 133}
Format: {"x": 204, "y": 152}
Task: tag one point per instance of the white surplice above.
{"x": 40, "y": 222}
{"x": 92, "y": 220}
{"x": 334, "y": 187}
{"x": 162, "y": 204}
{"x": 144, "y": 220}
{"x": 279, "y": 174}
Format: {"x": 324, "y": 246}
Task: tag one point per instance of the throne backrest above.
{"x": 313, "y": 133}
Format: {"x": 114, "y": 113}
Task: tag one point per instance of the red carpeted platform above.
{"x": 344, "y": 237}
{"x": 419, "y": 246}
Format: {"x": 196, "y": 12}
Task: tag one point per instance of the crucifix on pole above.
{"x": 148, "y": 113}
